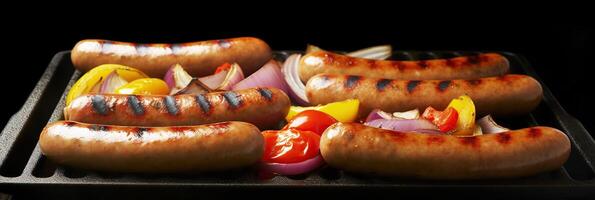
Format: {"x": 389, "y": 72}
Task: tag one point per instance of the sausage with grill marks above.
{"x": 197, "y": 58}
{"x": 503, "y": 96}
{"x": 263, "y": 107}
{"x": 177, "y": 149}
{"x": 463, "y": 67}
{"x": 524, "y": 152}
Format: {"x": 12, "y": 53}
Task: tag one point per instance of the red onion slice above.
{"x": 112, "y": 82}
{"x": 288, "y": 169}
{"x": 268, "y": 75}
{"x": 297, "y": 89}
{"x": 403, "y": 125}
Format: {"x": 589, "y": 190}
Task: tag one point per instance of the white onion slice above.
{"x": 376, "y": 52}
{"x": 488, "y": 125}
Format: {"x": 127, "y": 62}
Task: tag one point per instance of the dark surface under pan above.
{"x": 26, "y": 173}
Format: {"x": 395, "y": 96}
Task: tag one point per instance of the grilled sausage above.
{"x": 465, "y": 67}
{"x": 211, "y": 147}
{"x": 197, "y": 58}
{"x": 503, "y": 95}
{"x": 524, "y": 152}
{"x": 263, "y": 107}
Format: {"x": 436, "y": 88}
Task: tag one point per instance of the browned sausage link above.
{"x": 263, "y": 107}
{"x": 201, "y": 148}
{"x": 197, "y": 58}
{"x": 503, "y": 95}
{"x": 359, "y": 148}
{"x": 465, "y": 67}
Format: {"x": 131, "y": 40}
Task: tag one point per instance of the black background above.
{"x": 559, "y": 52}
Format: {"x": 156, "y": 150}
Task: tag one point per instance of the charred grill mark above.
{"x": 97, "y": 127}
{"x": 484, "y": 58}
{"x": 325, "y": 79}
{"x": 451, "y": 62}
{"x": 140, "y": 131}
{"x": 473, "y": 59}
{"x": 422, "y": 64}
{"x": 232, "y": 99}
{"x": 266, "y": 93}
{"x": 398, "y": 65}
{"x": 382, "y": 83}
{"x": 534, "y": 132}
{"x": 170, "y": 105}
{"x": 352, "y": 81}
{"x": 224, "y": 43}
{"x": 135, "y": 105}
{"x": 471, "y": 141}
{"x": 99, "y": 106}
{"x": 100, "y": 42}
{"x": 474, "y": 82}
{"x": 139, "y": 46}
{"x": 411, "y": 85}
{"x": 204, "y": 104}
{"x": 170, "y": 47}
{"x": 504, "y": 138}
{"x": 105, "y": 44}
{"x": 175, "y": 48}
{"x": 434, "y": 140}
{"x": 443, "y": 85}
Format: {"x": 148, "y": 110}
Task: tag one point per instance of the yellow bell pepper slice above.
{"x": 466, "y": 110}
{"x": 93, "y": 77}
{"x": 145, "y": 86}
{"x": 343, "y": 111}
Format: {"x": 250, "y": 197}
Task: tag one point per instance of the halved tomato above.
{"x": 290, "y": 146}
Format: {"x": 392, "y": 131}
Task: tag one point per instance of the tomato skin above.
{"x": 290, "y": 146}
{"x": 448, "y": 120}
{"x": 223, "y": 67}
{"x": 430, "y": 113}
{"x": 445, "y": 120}
{"x": 311, "y": 120}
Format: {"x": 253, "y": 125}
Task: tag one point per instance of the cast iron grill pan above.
{"x": 24, "y": 169}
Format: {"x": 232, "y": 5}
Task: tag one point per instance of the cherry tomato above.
{"x": 445, "y": 120}
{"x": 290, "y": 146}
{"x": 311, "y": 120}
{"x": 223, "y": 67}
